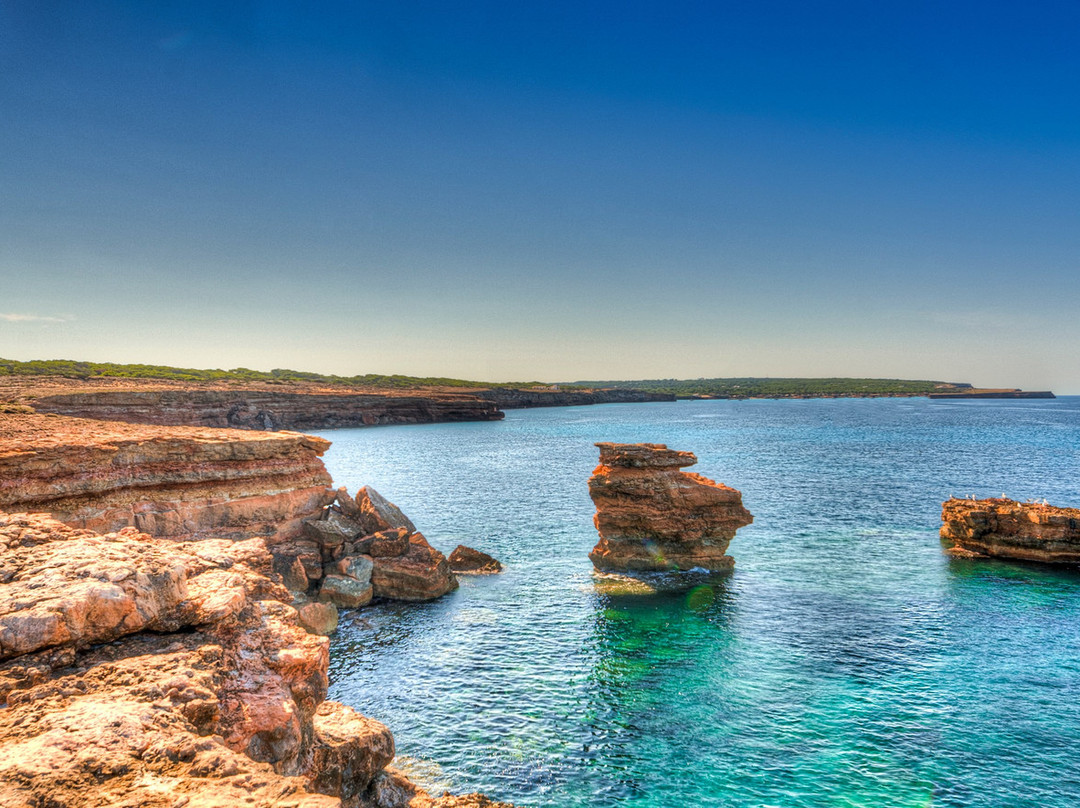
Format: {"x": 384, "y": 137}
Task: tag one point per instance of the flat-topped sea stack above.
{"x": 1004, "y": 528}
{"x": 652, "y": 517}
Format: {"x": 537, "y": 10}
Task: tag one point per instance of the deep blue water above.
{"x": 845, "y": 662}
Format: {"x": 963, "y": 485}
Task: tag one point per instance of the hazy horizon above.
{"x": 551, "y": 191}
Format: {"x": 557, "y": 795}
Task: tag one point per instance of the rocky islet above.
{"x": 653, "y": 517}
{"x": 1004, "y": 528}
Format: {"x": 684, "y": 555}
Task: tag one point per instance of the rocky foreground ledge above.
{"x": 652, "y": 517}
{"x": 1004, "y": 528}
{"x": 143, "y": 672}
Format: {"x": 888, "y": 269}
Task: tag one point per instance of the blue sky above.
{"x": 556, "y": 191}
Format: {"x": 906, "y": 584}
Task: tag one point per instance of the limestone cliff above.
{"x": 653, "y": 517}
{"x": 1008, "y": 529}
{"x": 263, "y": 409}
{"x": 145, "y": 672}
{"x": 175, "y": 482}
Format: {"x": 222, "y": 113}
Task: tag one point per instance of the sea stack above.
{"x": 652, "y": 517}
{"x": 1004, "y": 528}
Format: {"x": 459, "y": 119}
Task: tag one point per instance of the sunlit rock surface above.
{"x": 653, "y": 517}
{"x": 1005, "y": 528}
{"x": 173, "y": 482}
{"x": 143, "y": 672}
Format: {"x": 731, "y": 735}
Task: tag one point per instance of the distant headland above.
{"x": 300, "y": 400}
{"x": 757, "y": 387}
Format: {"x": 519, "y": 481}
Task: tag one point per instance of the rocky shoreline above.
{"x": 150, "y": 651}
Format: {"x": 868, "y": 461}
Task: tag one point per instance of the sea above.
{"x": 845, "y": 662}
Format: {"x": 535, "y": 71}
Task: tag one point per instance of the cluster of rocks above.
{"x": 652, "y": 517}
{"x": 357, "y": 549}
{"x": 149, "y": 672}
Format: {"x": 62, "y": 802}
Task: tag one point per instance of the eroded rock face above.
{"x": 653, "y": 517}
{"x": 170, "y": 673}
{"x": 172, "y": 482}
{"x": 268, "y": 409}
{"x": 1007, "y": 529}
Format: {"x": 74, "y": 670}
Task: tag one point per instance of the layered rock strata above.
{"x": 653, "y": 517}
{"x": 174, "y": 482}
{"x": 143, "y": 672}
{"x": 360, "y": 548}
{"x": 268, "y": 410}
{"x": 1004, "y": 528}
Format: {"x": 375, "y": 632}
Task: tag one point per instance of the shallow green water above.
{"x": 845, "y": 662}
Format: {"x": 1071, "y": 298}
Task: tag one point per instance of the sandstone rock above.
{"x": 422, "y": 573}
{"x": 306, "y": 552}
{"x": 376, "y": 514}
{"x": 331, "y": 532}
{"x": 467, "y": 561}
{"x": 81, "y": 592}
{"x": 653, "y": 517}
{"x": 291, "y": 570}
{"x": 175, "y": 482}
{"x": 345, "y": 592}
{"x": 346, "y": 503}
{"x": 350, "y": 750}
{"x": 318, "y": 618}
{"x": 228, "y": 711}
{"x": 387, "y": 543}
{"x": 356, "y": 567}
{"x": 1007, "y": 529}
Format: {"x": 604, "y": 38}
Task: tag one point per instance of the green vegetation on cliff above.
{"x": 751, "y": 387}
{"x": 71, "y": 369}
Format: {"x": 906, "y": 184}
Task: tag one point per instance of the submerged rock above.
{"x": 467, "y": 561}
{"x": 1004, "y": 528}
{"x": 653, "y": 517}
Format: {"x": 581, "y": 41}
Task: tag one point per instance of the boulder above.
{"x": 306, "y": 552}
{"x": 318, "y": 618}
{"x": 467, "y": 561}
{"x": 388, "y": 543}
{"x": 350, "y": 750}
{"x": 422, "y": 573}
{"x": 345, "y": 592}
{"x": 346, "y": 503}
{"x": 653, "y": 517}
{"x": 332, "y": 531}
{"x": 376, "y": 514}
{"x": 356, "y": 567}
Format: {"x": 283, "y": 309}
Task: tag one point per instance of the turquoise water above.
{"x": 845, "y": 662}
